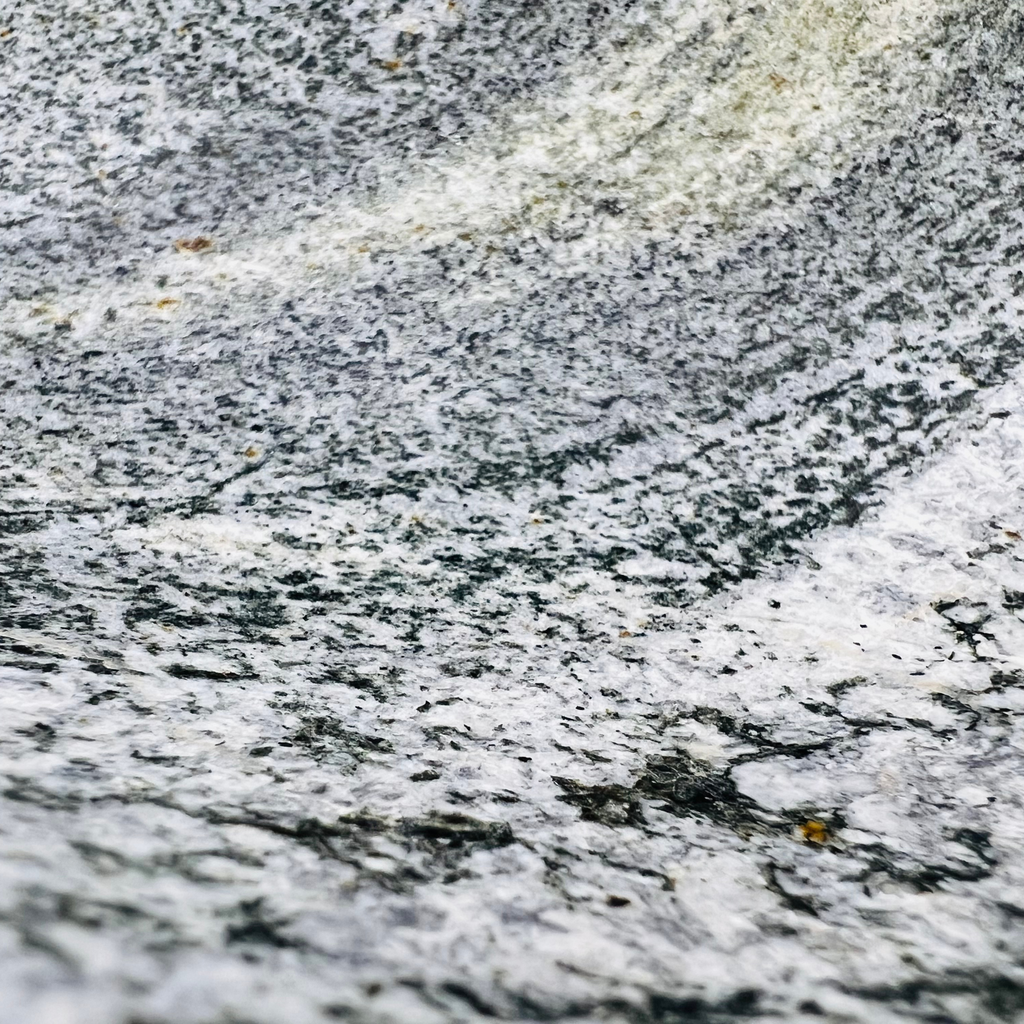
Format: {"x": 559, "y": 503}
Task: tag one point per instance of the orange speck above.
{"x": 624, "y": 633}
{"x": 250, "y": 452}
{"x": 392, "y": 65}
{"x": 198, "y": 244}
{"x": 5, "y": 32}
{"x": 815, "y": 832}
{"x": 1012, "y": 534}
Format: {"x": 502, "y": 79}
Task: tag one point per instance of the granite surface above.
{"x": 511, "y": 511}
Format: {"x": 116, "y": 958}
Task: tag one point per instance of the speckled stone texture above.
{"x": 511, "y": 512}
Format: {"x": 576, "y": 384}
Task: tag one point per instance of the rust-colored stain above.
{"x": 778, "y": 81}
{"x": 250, "y": 452}
{"x": 198, "y": 244}
{"x": 815, "y": 832}
{"x": 1012, "y": 534}
{"x": 5, "y": 32}
{"x": 166, "y": 303}
{"x": 392, "y": 65}
{"x": 624, "y": 633}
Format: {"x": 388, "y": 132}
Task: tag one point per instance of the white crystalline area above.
{"x": 695, "y": 122}
{"x": 849, "y": 689}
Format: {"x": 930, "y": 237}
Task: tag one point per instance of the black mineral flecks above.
{"x": 511, "y": 513}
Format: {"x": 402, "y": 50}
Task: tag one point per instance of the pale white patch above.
{"x": 697, "y": 130}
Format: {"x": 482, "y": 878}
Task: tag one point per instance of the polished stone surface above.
{"x": 511, "y": 511}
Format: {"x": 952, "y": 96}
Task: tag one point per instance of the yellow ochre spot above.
{"x": 165, "y": 303}
{"x": 198, "y": 244}
{"x": 251, "y": 452}
{"x": 815, "y": 832}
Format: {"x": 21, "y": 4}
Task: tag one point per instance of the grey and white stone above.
{"x": 511, "y": 511}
